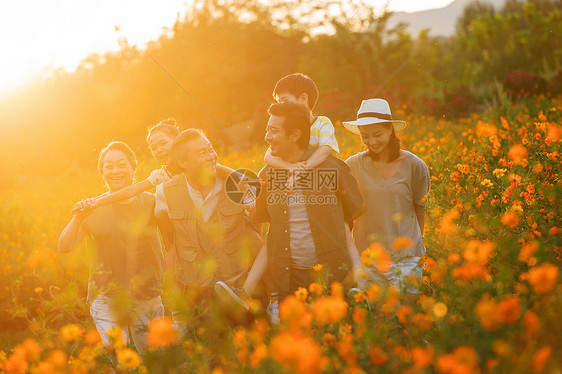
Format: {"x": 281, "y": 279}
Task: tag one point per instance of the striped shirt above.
{"x": 322, "y": 132}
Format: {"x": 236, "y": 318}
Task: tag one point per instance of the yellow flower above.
{"x": 301, "y": 293}
{"x": 128, "y": 358}
{"x": 499, "y": 172}
{"x": 317, "y": 267}
{"x": 487, "y": 183}
{"x": 440, "y": 310}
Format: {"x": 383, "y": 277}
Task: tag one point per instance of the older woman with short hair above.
{"x": 124, "y": 250}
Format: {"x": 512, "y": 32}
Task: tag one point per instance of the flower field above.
{"x": 489, "y": 302}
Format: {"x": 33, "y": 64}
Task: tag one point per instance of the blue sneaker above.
{"x": 273, "y": 312}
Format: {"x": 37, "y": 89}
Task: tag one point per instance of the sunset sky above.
{"x": 42, "y": 34}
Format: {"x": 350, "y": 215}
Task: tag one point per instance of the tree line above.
{"x": 216, "y": 68}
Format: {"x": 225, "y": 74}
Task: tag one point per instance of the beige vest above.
{"x": 221, "y": 249}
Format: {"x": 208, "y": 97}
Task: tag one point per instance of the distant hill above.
{"x": 440, "y": 21}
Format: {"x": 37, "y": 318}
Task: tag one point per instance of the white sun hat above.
{"x": 371, "y": 112}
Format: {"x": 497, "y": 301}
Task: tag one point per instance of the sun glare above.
{"x": 39, "y": 36}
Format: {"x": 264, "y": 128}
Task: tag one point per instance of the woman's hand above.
{"x": 84, "y": 207}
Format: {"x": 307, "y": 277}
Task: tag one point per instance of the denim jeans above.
{"x": 105, "y": 318}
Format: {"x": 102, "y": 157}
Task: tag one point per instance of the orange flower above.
{"x": 527, "y": 251}
{"x": 315, "y": 288}
{"x": 509, "y": 310}
{"x": 485, "y": 129}
{"x": 257, "y": 356}
{"x": 511, "y": 219}
{"x": 543, "y": 278}
{"x": 404, "y": 313}
{"x": 376, "y": 255}
{"x": 294, "y": 312}
{"x": 422, "y": 321}
{"x": 554, "y": 133}
{"x": 317, "y": 267}
{"x": 32, "y": 349}
{"x": 58, "y": 358}
{"x": 92, "y": 337}
{"x": 377, "y": 356}
{"x": 360, "y": 296}
{"x": 478, "y": 251}
{"x": 485, "y": 311}
{"x": 517, "y": 153}
{"x": 501, "y": 347}
{"x": 17, "y": 362}
{"x": 298, "y": 353}
{"x": 541, "y": 357}
{"x": 470, "y": 271}
{"x": 447, "y": 222}
{"x": 402, "y": 243}
{"x": 453, "y": 258}
{"x": 429, "y": 264}
{"x": 336, "y": 289}
{"x": 71, "y": 332}
{"x": 359, "y": 315}
{"x": 128, "y": 358}
{"x": 373, "y": 292}
{"x": 161, "y": 332}
{"x": 532, "y": 322}
{"x": 462, "y": 360}
{"x": 329, "y": 309}
{"x": 422, "y": 357}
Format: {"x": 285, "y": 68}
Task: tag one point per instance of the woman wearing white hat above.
{"x": 394, "y": 184}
